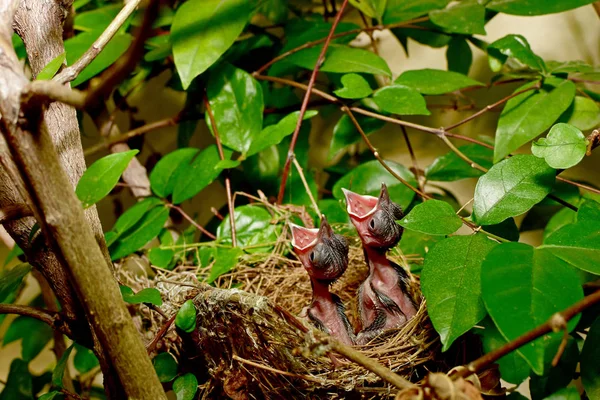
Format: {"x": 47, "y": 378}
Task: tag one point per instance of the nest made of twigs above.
{"x": 252, "y": 345}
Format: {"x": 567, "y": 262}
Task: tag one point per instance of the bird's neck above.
{"x": 320, "y": 290}
{"x": 377, "y": 260}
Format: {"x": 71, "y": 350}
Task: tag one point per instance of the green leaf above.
{"x": 563, "y": 148}
{"x": 562, "y": 218}
{"x": 415, "y": 246}
{"x": 459, "y": 55}
{"x": 147, "y": 295}
{"x": 513, "y": 368}
{"x": 225, "y": 261}
{"x": 274, "y": 134}
{"x": 97, "y": 19}
{"x": 450, "y": 167}
{"x": 341, "y": 59}
{"x": 76, "y": 46}
{"x": 161, "y": 177}
{"x": 165, "y": 366}
{"x": 185, "y": 387}
{"x": 237, "y": 103}
{"x": 102, "y": 176}
{"x": 355, "y": 87}
{"x": 403, "y": 10}
{"x": 186, "y": 317}
{"x": 35, "y": 336}
{"x": 583, "y": 114}
{"x": 15, "y": 252}
{"x": 511, "y": 188}
{"x": 569, "y": 393}
{"x": 367, "y": 179}
{"x": 19, "y": 384}
{"x": 55, "y": 394}
{"x": 435, "y": 81}
{"x": 227, "y": 164}
{"x": 191, "y": 177}
{"x": 144, "y": 229}
{"x": 534, "y": 7}
{"x": 84, "y": 359}
{"x": 516, "y": 47}
{"x": 160, "y": 257}
{"x": 577, "y": 244}
{"x": 506, "y": 229}
{"x": 465, "y": 17}
{"x": 11, "y": 280}
{"x": 203, "y": 30}
{"x": 399, "y": 99}
{"x": 59, "y": 370}
{"x": 559, "y": 376}
{"x": 51, "y": 68}
{"x": 335, "y": 211}
{"x": 451, "y": 284}
{"x": 185, "y": 131}
{"x": 531, "y": 113}
{"x": 367, "y": 7}
{"x": 433, "y": 217}
{"x": 253, "y": 226}
{"x": 522, "y": 288}
{"x": 345, "y": 133}
{"x": 590, "y": 368}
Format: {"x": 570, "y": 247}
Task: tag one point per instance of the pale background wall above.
{"x": 568, "y": 36}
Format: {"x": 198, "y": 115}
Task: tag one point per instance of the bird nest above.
{"x": 250, "y": 342}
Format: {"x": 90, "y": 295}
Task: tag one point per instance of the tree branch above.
{"x": 53, "y": 319}
{"x": 311, "y": 83}
{"x": 70, "y": 73}
{"x": 554, "y": 324}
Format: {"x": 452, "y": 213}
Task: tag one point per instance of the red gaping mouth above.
{"x": 302, "y": 238}
{"x": 360, "y": 206}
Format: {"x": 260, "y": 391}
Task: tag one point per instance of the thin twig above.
{"x": 561, "y": 347}
{"x": 51, "y": 318}
{"x": 276, "y": 371}
{"x": 305, "y": 183}
{"x": 230, "y": 204}
{"x": 555, "y": 323}
{"x": 336, "y": 36}
{"x": 163, "y": 123}
{"x": 492, "y": 106}
{"x": 70, "y": 73}
{"x": 191, "y": 221}
{"x": 161, "y": 333}
{"x": 311, "y": 83}
{"x": 14, "y": 212}
{"x": 413, "y": 158}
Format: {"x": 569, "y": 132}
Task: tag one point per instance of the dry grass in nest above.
{"x": 253, "y": 346}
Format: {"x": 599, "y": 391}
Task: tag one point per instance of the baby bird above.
{"x": 324, "y": 255}
{"x": 384, "y": 301}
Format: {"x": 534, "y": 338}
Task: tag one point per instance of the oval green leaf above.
{"x": 451, "y": 284}
{"x": 51, "y": 68}
{"x": 511, "y": 188}
{"x": 402, "y": 100}
{"x": 583, "y": 114}
{"x": 529, "y": 114}
{"x": 433, "y": 217}
{"x": 341, "y": 59}
{"x": 534, "y": 7}
{"x": 466, "y": 18}
{"x": 459, "y": 55}
{"x": 186, "y": 317}
{"x": 435, "y": 81}
{"x": 185, "y": 387}
{"x": 345, "y": 132}
{"x": 102, "y": 176}
{"x": 253, "y": 226}
{"x": 367, "y": 179}
{"x": 522, "y": 288}
{"x": 577, "y": 244}
{"x": 450, "y": 167}
{"x": 165, "y": 366}
{"x": 563, "y": 148}
{"x": 237, "y": 103}
{"x": 516, "y": 47}
{"x": 161, "y": 176}
{"x": 203, "y": 30}
{"x": 590, "y": 367}
{"x": 354, "y": 87}
{"x": 147, "y": 295}
{"x": 59, "y": 370}
{"x": 84, "y": 359}
{"x": 224, "y": 261}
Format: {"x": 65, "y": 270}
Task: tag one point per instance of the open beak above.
{"x": 325, "y": 230}
{"x": 360, "y": 206}
{"x": 303, "y": 238}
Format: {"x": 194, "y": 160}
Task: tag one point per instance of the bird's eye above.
{"x": 311, "y": 256}
{"x": 372, "y": 224}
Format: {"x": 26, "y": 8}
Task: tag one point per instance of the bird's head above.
{"x": 323, "y": 253}
{"x": 375, "y": 218}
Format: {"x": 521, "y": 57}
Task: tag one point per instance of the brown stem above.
{"x": 161, "y": 333}
{"x": 311, "y": 83}
{"x": 53, "y": 319}
{"x": 276, "y": 371}
{"x": 14, "y": 212}
{"x": 131, "y": 134}
{"x": 191, "y": 221}
{"x": 314, "y": 43}
{"x": 553, "y": 324}
{"x": 230, "y": 204}
{"x": 413, "y": 158}
{"x": 492, "y": 106}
